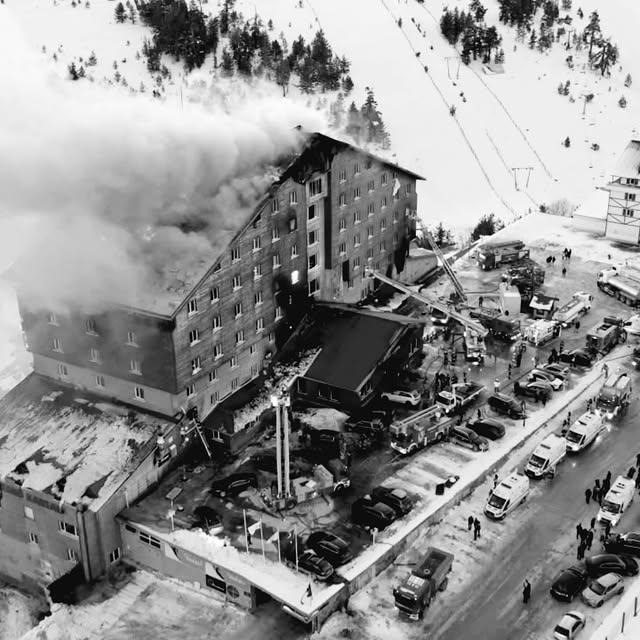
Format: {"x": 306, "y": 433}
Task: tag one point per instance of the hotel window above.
{"x": 383, "y": 224}
{"x": 236, "y": 283}
{"x": 256, "y": 243}
{"x": 356, "y": 168}
{"x": 28, "y": 513}
{"x": 357, "y": 216}
{"x": 408, "y": 188}
{"x": 342, "y": 175}
{"x": 214, "y": 294}
{"x": 633, "y": 181}
{"x": 356, "y": 193}
{"x": 217, "y": 350}
{"x": 270, "y": 336}
{"x": 235, "y": 254}
{"x": 234, "y": 361}
{"x": 383, "y": 202}
{"x": 53, "y": 319}
{"x": 214, "y": 398}
{"x": 114, "y": 555}
{"x": 234, "y": 384}
{"x": 150, "y": 540}
{"x": 237, "y": 309}
{"x": 256, "y": 221}
{"x": 252, "y": 350}
{"x": 356, "y": 263}
{"x": 56, "y": 345}
{"x": 383, "y": 246}
{"x": 94, "y": 356}
{"x": 295, "y": 277}
{"x": 195, "y": 365}
{"x": 259, "y": 325}
{"x": 356, "y": 240}
{"x": 279, "y": 314}
{"x": 90, "y": 326}
{"x": 32, "y": 537}
{"x": 342, "y": 225}
{"x": 293, "y": 197}
{"x": 275, "y": 206}
{"x": 240, "y": 336}
{"x": 216, "y": 323}
{"x": 371, "y": 209}
{"x": 342, "y": 200}
{"x": 99, "y": 381}
{"x": 257, "y": 272}
{"x": 342, "y": 248}
{"x": 139, "y": 393}
{"x": 276, "y": 260}
{"x": 383, "y": 179}
{"x": 257, "y": 298}
{"x": 293, "y": 223}
{"x": 313, "y": 261}
{"x": 313, "y": 237}
{"x": 630, "y": 196}
{"x": 134, "y": 367}
{"x": 275, "y": 234}
{"x": 370, "y": 253}
{"x": 213, "y": 375}
{"x": 191, "y": 390}
{"x": 311, "y": 212}
{"x": 313, "y": 287}
{"x": 254, "y": 370}
{"x": 194, "y": 336}
{"x": 396, "y": 217}
{"x": 72, "y": 555}
{"x": 192, "y": 306}
{"x": 371, "y": 185}
{"x": 131, "y": 338}
{"x": 67, "y": 528}
{"x": 370, "y": 231}
{"x": 294, "y": 250}
{"x": 62, "y": 370}
{"x": 315, "y": 187}
{"x": 627, "y": 212}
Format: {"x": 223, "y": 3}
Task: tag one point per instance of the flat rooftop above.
{"x": 71, "y": 444}
{"x": 352, "y": 342}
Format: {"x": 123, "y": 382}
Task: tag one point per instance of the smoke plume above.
{"x": 125, "y": 187}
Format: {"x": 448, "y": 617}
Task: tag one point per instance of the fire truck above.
{"x": 493, "y": 254}
{"x": 500, "y": 326}
{"x": 418, "y": 431}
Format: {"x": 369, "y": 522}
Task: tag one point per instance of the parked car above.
{"x": 556, "y": 380}
{"x": 207, "y": 518}
{"x": 577, "y": 358}
{"x": 537, "y": 389}
{"x": 329, "y": 546}
{"x": 600, "y": 590}
{"x": 397, "y": 499}
{"x": 370, "y": 514}
{"x": 569, "y": 583}
{"x": 603, "y": 563}
{"x": 234, "y": 484}
{"x": 559, "y": 370}
{"x": 506, "y": 405}
{"x": 311, "y": 563}
{"x": 570, "y": 626}
{"x": 406, "y": 397}
{"x": 373, "y": 427}
{"x": 487, "y": 428}
{"x": 626, "y": 543}
{"x": 468, "y": 438}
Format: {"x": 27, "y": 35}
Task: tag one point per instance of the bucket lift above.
{"x": 192, "y": 425}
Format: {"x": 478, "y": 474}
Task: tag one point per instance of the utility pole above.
{"x": 515, "y": 175}
{"x": 457, "y": 59}
{"x": 281, "y": 405}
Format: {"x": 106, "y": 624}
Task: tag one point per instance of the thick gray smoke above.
{"x": 125, "y": 186}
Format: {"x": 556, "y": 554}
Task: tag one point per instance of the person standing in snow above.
{"x": 587, "y": 495}
{"x": 564, "y": 272}
{"x": 589, "y": 539}
{"x": 476, "y": 529}
{"x": 470, "y": 522}
{"x": 526, "y": 592}
{"x": 578, "y": 531}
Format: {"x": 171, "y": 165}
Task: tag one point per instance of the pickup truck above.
{"x": 460, "y": 396}
{"x": 415, "y": 592}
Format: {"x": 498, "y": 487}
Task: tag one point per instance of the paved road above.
{"x": 543, "y": 542}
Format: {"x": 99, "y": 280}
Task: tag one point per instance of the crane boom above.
{"x": 462, "y": 296}
{"x": 476, "y": 327}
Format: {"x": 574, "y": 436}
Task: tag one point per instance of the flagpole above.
{"x": 279, "y": 556}
{"x": 246, "y": 537}
{"x": 262, "y": 542}
{"x": 295, "y": 536}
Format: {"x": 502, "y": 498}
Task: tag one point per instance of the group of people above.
{"x": 585, "y": 538}
{"x": 474, "y": 523}
{"x": 599, "y": 491}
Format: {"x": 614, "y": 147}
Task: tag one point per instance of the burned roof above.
{"x": 352, "y": 343}
{"x": 70, "y": 444}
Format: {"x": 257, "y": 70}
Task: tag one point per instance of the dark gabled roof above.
{"x": 352, "y": 345}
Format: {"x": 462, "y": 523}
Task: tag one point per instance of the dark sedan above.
{"x": 625, "y": 543}
{"x": 397, "y": 499}
{"x": 311, "y": 563}
{"x": 569, "y": 583}
{"x": 234, "y": 484}
{"x": 207, "y": 518}
{"x": 329, "y": 546}
{"x": 506, "y": 405}
{"x": 370, "y": 514}
{"x": 604, "y": 563}
{"x": 537, "y": 389}
{"x": 488, "y": 428}
{"x": 577, "y": 358}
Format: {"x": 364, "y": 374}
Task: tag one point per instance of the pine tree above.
{"x": 606, "y": 57}
{"x": 337, "y": 113}
{"x": 375, "y": 130}
{"x": 566, "y": 5}
{"x": 627, "y": 80}
{"x": 73, "y": 72}
{"x": 227, "y": 63}
{"x": 307, "y": 75}
{"x": 354, "y": 123}
{"x": 120, "y": 13}
{"x": 92, "y": 61}
{"x": 532, "y": 40}
{"x": 622, "y": 103}
{"x": 477, "y": 10}
{"x": 81, "y": 72}
{"x": 447, "y": 27}
{"x": 283, "y": 74}
{"x": 592, "y": 30}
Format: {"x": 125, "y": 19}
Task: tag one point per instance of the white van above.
{"x": 546, "y": 456}
{"x": 618, "y": 498}
{"x": 584, "y": 431}
{"x": 507, "y": 496}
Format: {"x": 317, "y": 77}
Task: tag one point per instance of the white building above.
{"x": 623, "y": 210}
